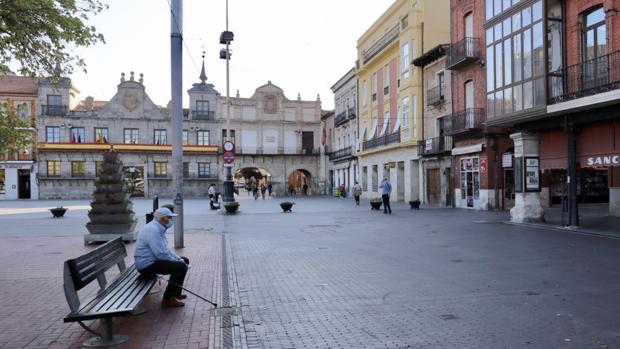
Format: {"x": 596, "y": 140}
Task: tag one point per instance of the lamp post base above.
{"x": 229, "y": 194}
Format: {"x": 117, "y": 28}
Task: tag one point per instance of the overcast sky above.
{"x": 301, "y": 46}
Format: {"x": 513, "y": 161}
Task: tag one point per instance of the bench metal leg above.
{"x": 107, "y": 338}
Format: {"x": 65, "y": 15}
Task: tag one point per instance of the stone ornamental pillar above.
{"x": 528, "y": 206}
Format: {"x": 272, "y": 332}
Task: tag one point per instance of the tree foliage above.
{"x": 15, "y": 132}
{"x": 39, "y": 35}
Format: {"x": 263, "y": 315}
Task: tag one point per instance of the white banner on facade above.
{"x": 467, "y": 149}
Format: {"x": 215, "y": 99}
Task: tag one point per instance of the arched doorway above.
{"x": 247, "y": 177}
{"x": 298, "y": 180}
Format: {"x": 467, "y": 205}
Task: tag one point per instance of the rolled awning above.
{"x": 373, "y": 130}
{"x": 397, "y": 124}
{"x": 360, "y": 135}
{"x": 476, "y": 148}
{"x": 386, "y": 121}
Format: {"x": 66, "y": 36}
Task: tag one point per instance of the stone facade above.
{"x": 341, "y": 140}
{"x": 267, "y": 129}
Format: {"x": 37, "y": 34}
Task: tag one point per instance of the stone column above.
{"x": 614, "y": 191}
{"x": 528, "y": 206}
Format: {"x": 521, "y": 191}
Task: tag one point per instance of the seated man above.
{"x": 153, "y": 256}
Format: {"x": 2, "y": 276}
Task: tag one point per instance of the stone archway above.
{"x": 246, "y": 177}
{"x": 297, "y": 180}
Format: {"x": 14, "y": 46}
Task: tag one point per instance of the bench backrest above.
{"x": 81, "y": 271}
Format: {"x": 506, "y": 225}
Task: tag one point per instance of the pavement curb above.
{"x": 565, "y": 229}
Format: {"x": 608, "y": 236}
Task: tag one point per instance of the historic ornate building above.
{"x": 275, "y": 136}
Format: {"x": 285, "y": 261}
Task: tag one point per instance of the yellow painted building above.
{"x": 391, "y": 91}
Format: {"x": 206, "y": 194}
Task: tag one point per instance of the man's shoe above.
{"x": 181, "y": 296}
{"x": 172, "y": 303}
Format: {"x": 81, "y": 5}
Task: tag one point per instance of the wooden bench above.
{"x": 119, "y": 297}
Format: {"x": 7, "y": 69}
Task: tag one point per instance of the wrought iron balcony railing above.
{"x": 54, "y": 110}
{"x": 203, "y": 115}
{"x": 351, "y": 113}
{"x": 382, "y": 43}
{"x": 340, "y": 119}
{"x": 463, "y": 121}
{"x": 341, "y": 154}
{"x": 382, "y": 141}
{"x": 463, "y": 52}
{"x": 434, "y": 146}
{"x": 588, "y": 78}
{"x": 435, "y": 95}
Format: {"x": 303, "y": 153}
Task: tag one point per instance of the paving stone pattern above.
{"x": 343, "y": 277}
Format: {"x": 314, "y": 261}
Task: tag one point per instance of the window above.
{"x": 204, "y": 169}
{"x": 131, "y": 135}
{"x": 101, "y": 135}
{"x": 54, "y": 105}
{"x": 202, "y": 110}
{"x": 52, "y": 134}
{"x": 160, "y": 137}
{"x": 386, "y": 79}
{"x": 185, "y": 169}
{"x": 594, "y": 47}
{"x": 365, "y": 93}
{"x": 2, "y": 186}
{"x": 373, "y": 87}
{"x": 404, "y": 60}
{"x": 161, "y": 169}
{"x": 54, "y": 100}
{"x": 441, "y": 83}
{"x": 98, "y": 167}
{"x": 203, "y": 138}
{"x": 78, "y": 168}
{"x": 53, "y": 168}
{"x": 185, "y": 137}
{"x": 77, "y": 135}
{"x": 515, "y": 67}
{"x": 405, "y": 112}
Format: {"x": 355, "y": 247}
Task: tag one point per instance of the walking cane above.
{"x": 188, "y": 291}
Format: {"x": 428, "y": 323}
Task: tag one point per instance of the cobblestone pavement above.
{"x": 331, "y": 275}
{"x": 334, "y": 275}
{"x": 34, "y": 246}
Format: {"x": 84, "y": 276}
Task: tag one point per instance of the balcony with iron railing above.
{"x": 203, "y": 115}
{"x": 470, "y": 119}
{"x": 588, "y": 78}
{"x": 435, "y": 95}
{"x": 381, "y": 44}
{"x": 53, "y": 110}
{"x": 435, "y": 146}
{"x": 463, "y": 52}
{"x": 351, "y": 113}
{"x": 382, "y": 141}
{"x": 341, "y": 154}
{"x": 340, "y": 119}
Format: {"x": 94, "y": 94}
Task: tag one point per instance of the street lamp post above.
{"x": 176, "y": 51}
{"x": 225, "y": 38}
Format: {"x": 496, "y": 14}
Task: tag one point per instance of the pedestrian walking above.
{"x": 269, "y": 188}
{"x": 342, "y": 191}
{"x": 386, "y": 190}
{"x": 255, "y": 192}
{"x": 305, "y": 189}
{"x": 357, "y": 192}
{"x": 263, "y": 189}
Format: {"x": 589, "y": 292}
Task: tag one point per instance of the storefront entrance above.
{"x": 470, "y": 181}
{"x": 509, "y": 189}
{"x": 433, "y": 186}
{"x": 23, "y": 184}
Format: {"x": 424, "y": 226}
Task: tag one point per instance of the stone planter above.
{"x": 112, "y": 177}
{"x": 58, "y": 212}
{"x": 415, "y": 204}
{"x": 231, "y": 207}
{"x": 111, "y": 209}
{"x": 112, "y": 187}
{"x": 107, "y": 232}
{"x": 110, "y": 218}
{"x": 115, "y": 197}
{"x": 375, "y": 205}
{"x": 287, "y": 206}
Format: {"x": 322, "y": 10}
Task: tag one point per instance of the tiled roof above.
{"x": 18, "y": 85}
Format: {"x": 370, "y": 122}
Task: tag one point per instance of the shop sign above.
{"x": 606, "y": 160}
{"x": 507, "y": 160}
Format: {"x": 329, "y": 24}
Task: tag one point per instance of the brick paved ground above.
{"x": 332, "y": 275}
{"x": 32, "y": 301}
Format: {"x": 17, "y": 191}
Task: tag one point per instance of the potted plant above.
{"x": 231, "y": 207}
{"x": 414, "y": 204}
{"x": 58, "y": 212}
{"x": 375, "y": 203}
{"x": 287, "y": 206}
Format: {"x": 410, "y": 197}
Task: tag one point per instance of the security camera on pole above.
{"x": 228, "y": 146}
